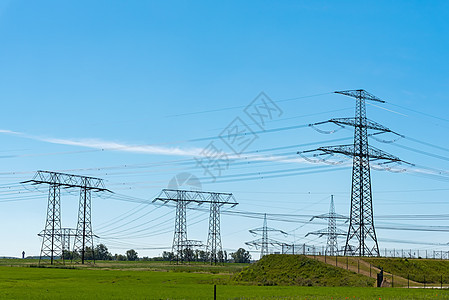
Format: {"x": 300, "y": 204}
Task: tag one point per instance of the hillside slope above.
{"x": 420, "y": 270}
{"x": 279, "y": 269}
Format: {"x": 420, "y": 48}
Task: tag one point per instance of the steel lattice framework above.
{"x": 332, "y": 232}
{"x": 52, "y": 242}
{"x": 84, "y": 235}
{"x": 214, "y": 238}
{"x": 66, "y": 235}
{"x": 265, "y": 240}
{"x": 361, "y": 237}
{"x": 51, "y": 239}
{"x": 183, "y": 198}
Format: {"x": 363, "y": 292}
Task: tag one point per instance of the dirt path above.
{"x": 358, "y": 265}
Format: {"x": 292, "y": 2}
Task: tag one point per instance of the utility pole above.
{"x": 52, "y": 242}
{"x": 361, "y": 238}
{"x": 332, "y": 232}
{"x": 265, "y": 240}
{"x": 183, "y": 198}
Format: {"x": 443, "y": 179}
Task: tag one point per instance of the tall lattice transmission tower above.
{"x": 52, "y": 235}
{"x": 183, "y": 198}
{"x": 361, "y": 238}
{"x": 265, "y": 240}
{"x": 332, "y": 232}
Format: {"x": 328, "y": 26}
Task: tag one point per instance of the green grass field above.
{"x": 156, "y": 280}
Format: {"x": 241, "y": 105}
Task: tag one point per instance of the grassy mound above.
{"x": 420, "y": 270}
{"x": 278, "y": 269}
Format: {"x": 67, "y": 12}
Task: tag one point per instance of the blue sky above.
{"x": 118, "y": 90}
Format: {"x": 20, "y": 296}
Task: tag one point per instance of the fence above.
{"x": 300, "y": 249}
{"x": 429, "y": 278}
{"x": 394, "y": 253}
{"x": 409, "y": 253}
{"x": 416, "y": 281}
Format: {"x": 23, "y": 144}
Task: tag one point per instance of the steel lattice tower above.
{"x": 182, "y": 199}
{"x": 264, "y": 248}
{"x": 265, "y": 240}
{"x": 52, "y": 239}
{"x": 84, "y": 235}
{"x": 332, "y": 243}
{"x": 52, "y": 235}
{"x": 361, "y": 237}
{"x": 332, "y": 231}
{"x": 180, "y": 234}
{"x": 214, "y": 237}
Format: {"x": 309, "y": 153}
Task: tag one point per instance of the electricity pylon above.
{"x": 332, "y": 232}
{"x": 52, "y": 243}
{"x": 265, "y": 240}
{"x": 361, "y": 222}
{"x": 183, "y": 199}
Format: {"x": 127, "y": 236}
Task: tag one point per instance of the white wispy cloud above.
{"x": 116, "y": 146}
{"x": 9, "y": 132}
{"x": 110, "y": 145}
{"x": 153, "y": 149}
{"x": 198, "y": 152}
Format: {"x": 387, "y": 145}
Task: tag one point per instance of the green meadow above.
{"x": 22, "y": 279}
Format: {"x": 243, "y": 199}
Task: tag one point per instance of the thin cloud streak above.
{"x": 115, "y": 146}
{"x": 108, "y": 145}
{"x": 198, "y": 152}
{"x": 152, "y": 150}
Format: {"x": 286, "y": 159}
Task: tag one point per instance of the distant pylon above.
{"x": 182, "y": 199}
{"x": 264, "y": 248}
{"x": 67, "y": 234}
{"x": 332, "y": 231}
{"x": 265, "y": 240}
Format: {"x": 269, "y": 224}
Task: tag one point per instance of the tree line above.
{"x": 101, "y": 252}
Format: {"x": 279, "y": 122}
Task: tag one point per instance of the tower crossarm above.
{"x": 198, "y": 197}
{"x": 68, "y": 181}
{"x": 66, "y": 231}
{"x": 360, "y": 94}
{"x": 348, "y": 150}
{"x": 323, "y": 232}
{"x": 330, "y": 216}
{"x": 193, "y": 244}
{"x": 353, "y": 122}
{"x": 259, "y": 242}
{"x": 261, "y": 229}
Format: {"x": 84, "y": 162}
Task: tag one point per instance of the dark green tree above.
{"x": 131, "y": 255}
{"x": 69, "y": 255}
{"x": 203, "y": 256}
{"x": 102, "y": 253}
{"x": 241, "y": 256}
{"x": 119, "y": 257}
{"x": 168, "y": 256}
{"x": 189, "y": 254}
{"x": 89, "y": 253}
